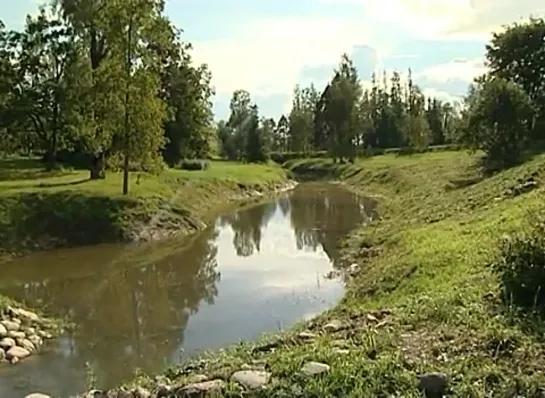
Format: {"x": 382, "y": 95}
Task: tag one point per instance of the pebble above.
{"x": 315, "y": 368}
{"x": 10, "y": 325}
{"x": 333, "y": 326}
{"x": 37, "y": 395}
{"x": 17, "y": 352}
{"x": 141, "y": 392}
{"x": 433, "y": 383}
{"x": 2, "y": 354}
{"x": 198, "y": 389}
{"x": 31, "y": 316}
{"x": 44, "y": 335}
{"x": 251, "y": 379}
{"x": 16, "y": 335}
{"x": 6, "y": 343}
{"x": 3, "y": 331}
{"x": 306, "y": 336}
{"x": 341, "y": 351}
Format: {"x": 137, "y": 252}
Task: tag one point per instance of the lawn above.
{"x": 41, "y": 209}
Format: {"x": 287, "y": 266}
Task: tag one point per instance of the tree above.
{"x": 518, "y": 54}
{"x": 94, "y": 94}
{"x": 240, "y": 121}
{"x": 301, "y": 118}
{"x": 187, "y": 91}
{"x": 143, "y": 109}
{"x": 257, "y": 149}
{"x": 281, "y": 135}
{"x": 498, "y": 120}
{"x": 341, "y": 110}
{"x": 39, "y": 58}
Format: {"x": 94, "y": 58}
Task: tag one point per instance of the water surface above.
{"x": 258, "y": 269}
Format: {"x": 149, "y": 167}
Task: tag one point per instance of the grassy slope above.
{"x": 426, "y": 262}
{"x": 41, "y": 209}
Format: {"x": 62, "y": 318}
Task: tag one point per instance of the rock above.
{"x": 140, "y": 392}
{"x": 14, "y": 360}
{"x": 3, "y": 331}
{"x": 44, "y": 335}
{"x": 36, "y": 340}
{"x": 372, "y": 318}
{"x": 26, "y": 315}
{"x": 433, "y": 383}
{"x": 2, "y": 355}
{"x": 251, "y": 379}
{"x": 163, "y": 392}
{"x": 306, "y": 336}
{"x": 341, "y": 351}
{"x": 37, "y": 395}
{"x": 315, "y": 368}
{"x": 96, "y": 394}
{"x": 17, "y": 352}
{"x": 29, "y": 331}
{"x": 10, "y": 325}
{"x": 123, "y": 394}
{"x": 16, "y": 335}
{"x": 333, "y": 326}
{"x": 198, "y": 378}
{"x": 162, "y": 380}
{"x": 198, "y": 389}
{"x": 6, "y": 343}
{"x": 27, "y": 345}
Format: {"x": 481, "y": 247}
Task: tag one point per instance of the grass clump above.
{"x": 521, "y": 266}
{"x": 194, "y": 164}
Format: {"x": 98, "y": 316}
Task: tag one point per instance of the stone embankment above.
{"x": 22, "y": 334}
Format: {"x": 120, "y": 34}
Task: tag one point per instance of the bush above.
{"x": 521, "y": 267}
{"x": 194, "y": 164}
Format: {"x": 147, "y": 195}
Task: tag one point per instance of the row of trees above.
{"x": 344, "y": 119}
{"x": 106, "y": 82}
{"x": 503, "y": 113}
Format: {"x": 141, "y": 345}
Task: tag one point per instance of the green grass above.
{"x": 42, "y": 209}
{"x": 426, "y": 262}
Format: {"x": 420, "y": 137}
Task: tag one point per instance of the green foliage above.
{"x": 521, "y": 266}
{"x": 498, "y": 119}
{"x": 194, "y": 164}
{"x": 517, "y": 53}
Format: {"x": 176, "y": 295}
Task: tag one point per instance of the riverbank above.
{"x": 42, "y": 210}
{"x": 422, "y": 303}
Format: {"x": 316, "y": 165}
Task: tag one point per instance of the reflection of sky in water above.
{"x": 203, "y": 297}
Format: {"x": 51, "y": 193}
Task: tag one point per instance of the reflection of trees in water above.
{"x": 322, "y": 216}
{"x": 319, "y": 216}
{"x": 247, "y": 224}
{"x": 130, "y": 316}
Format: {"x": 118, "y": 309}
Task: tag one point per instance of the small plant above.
{"x": 521, "y": 267}
{"x": 194, "y": 164}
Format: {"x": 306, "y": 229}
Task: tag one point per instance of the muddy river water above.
{"x": 258, "y": 269}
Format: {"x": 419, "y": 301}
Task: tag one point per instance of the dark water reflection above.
{"x": 256, "y": 270}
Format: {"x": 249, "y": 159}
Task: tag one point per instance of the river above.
{"x": 258, "y": 269}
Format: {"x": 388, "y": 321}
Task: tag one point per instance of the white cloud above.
{"x": 442, "y": 19}
{"x": 266, "y": 56}
{"x": 460, "y": 70}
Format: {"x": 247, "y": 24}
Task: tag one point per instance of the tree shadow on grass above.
{"x": 50, "y": 185}
{"x": 26, "y": 169}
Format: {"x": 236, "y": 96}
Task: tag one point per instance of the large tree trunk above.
{"x": 96, "y": 167}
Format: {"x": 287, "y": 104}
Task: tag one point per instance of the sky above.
{"x": 268, "y": 46}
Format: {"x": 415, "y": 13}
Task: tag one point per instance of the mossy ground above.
{"x": 44, "y": 209}
{"x": 426, "y": 262}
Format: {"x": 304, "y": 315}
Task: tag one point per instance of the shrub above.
{"x": 194, "y": 164}
{"x": 521, "y": 267}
